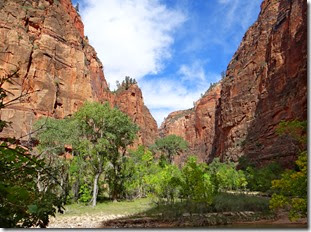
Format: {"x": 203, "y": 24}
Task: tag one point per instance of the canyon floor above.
{"x": 140, "y": 214}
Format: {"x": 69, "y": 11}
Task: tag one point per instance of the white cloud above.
{"x": 131, "y": 37}
{"x": 193, "y": 72}
{"x": 165, "y": 95}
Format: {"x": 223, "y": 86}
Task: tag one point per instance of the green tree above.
{"x": 225, "y": 176}
{"x": 165, "y": 184}
{"x": 99, "y": 136}
{"x": 140, "y": 164}
{"x": 54, "y": 135}
{"x": 126, "y": 83}
{"x": 196, "y": 182}
{"x": 104, "y": 134}
{"x": 291, "y": 191}
{"x": 170, "y": 146}
{"x": 259, "y": 179}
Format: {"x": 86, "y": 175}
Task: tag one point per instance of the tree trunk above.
{"x": 95, "y": 189}
{"x": 75, "y": 190}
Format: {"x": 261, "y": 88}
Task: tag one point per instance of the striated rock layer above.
{"x": 44, "y": 40}
{"x": 266, "y": 82}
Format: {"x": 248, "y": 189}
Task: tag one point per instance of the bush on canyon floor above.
{"x": 139, "y": 166}
{"x": 259, "y": 179}
{"x": 291, "y": 191}
{"x": 225, "y": 176}
{"x": 225, "y": 202}
{"x": 196, "y": 182}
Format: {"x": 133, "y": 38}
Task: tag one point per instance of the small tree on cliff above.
{"x": 170, "y": 146}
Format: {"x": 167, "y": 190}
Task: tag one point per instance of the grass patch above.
{"x": 109, "y": 207}
{"x": 225, "y": 202}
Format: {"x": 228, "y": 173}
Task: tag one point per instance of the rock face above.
{"x": 44, "y": 40}
{"x": 131, "y": 102}
{"x": 266, "y": 82}
{"x": 196, "y": 125}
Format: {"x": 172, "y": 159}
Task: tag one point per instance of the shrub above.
{"x": 225, "y": 202}
{"x": 138, "y": 167}
{"x": 259, "y": 179}
{"x": 226, "y": 177}
{"x": 165, "y": 184}
{"x": 291, "y": 190}
{"x": 85, "y": 194}
{"x": 196, "y": 182}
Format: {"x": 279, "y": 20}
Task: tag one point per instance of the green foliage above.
{"x": 291, "y": 190}
{"x": 99, "y": 136}
{"x": 85, "y": 193}
{"x": 295, "y": 129}
{"x": 55, "y": 134}
{"x": 138, "y": 167}
{"x": 225, "y": 202}
{"x": 169, "y": 146}
{"x": 226, "y": 177}
{"x": 196, "y": 182}
{"x": 165, "y": 184}
{"x": 22, "y": 203}
{"x": 259, "y": 179}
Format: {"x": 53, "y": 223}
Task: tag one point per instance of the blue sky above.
{"x": 173, "y": 48}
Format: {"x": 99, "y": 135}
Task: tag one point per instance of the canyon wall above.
{"x": 57, "y": 67}
{"x": 196, "y": 125}
{"x": 265, "y": 82}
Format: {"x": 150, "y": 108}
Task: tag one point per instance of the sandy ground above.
{"x": 122, "y": 221}
{"x": 86, "y": 221}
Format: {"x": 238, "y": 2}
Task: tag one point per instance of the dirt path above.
{"x": 85, "y": 221}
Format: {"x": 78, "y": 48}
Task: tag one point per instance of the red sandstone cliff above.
{"x": 196, "y": 125}
{"x": 44, "y": 40}
{"x": 266, "y": 82}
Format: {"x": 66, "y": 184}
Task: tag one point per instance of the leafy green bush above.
{"x": 139, "y": 165}
{"x": 291, "y": 191}
{"x": 165, "y": 184}
{"x": 259, "y": 179}
{"x": 85, "y": 193}
{"x": 196, "y": 183}
{"x": 226, "y": 177}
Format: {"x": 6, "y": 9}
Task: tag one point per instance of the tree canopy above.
{"x": 99, "y": 135}
{"x": 170, "y": 146}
